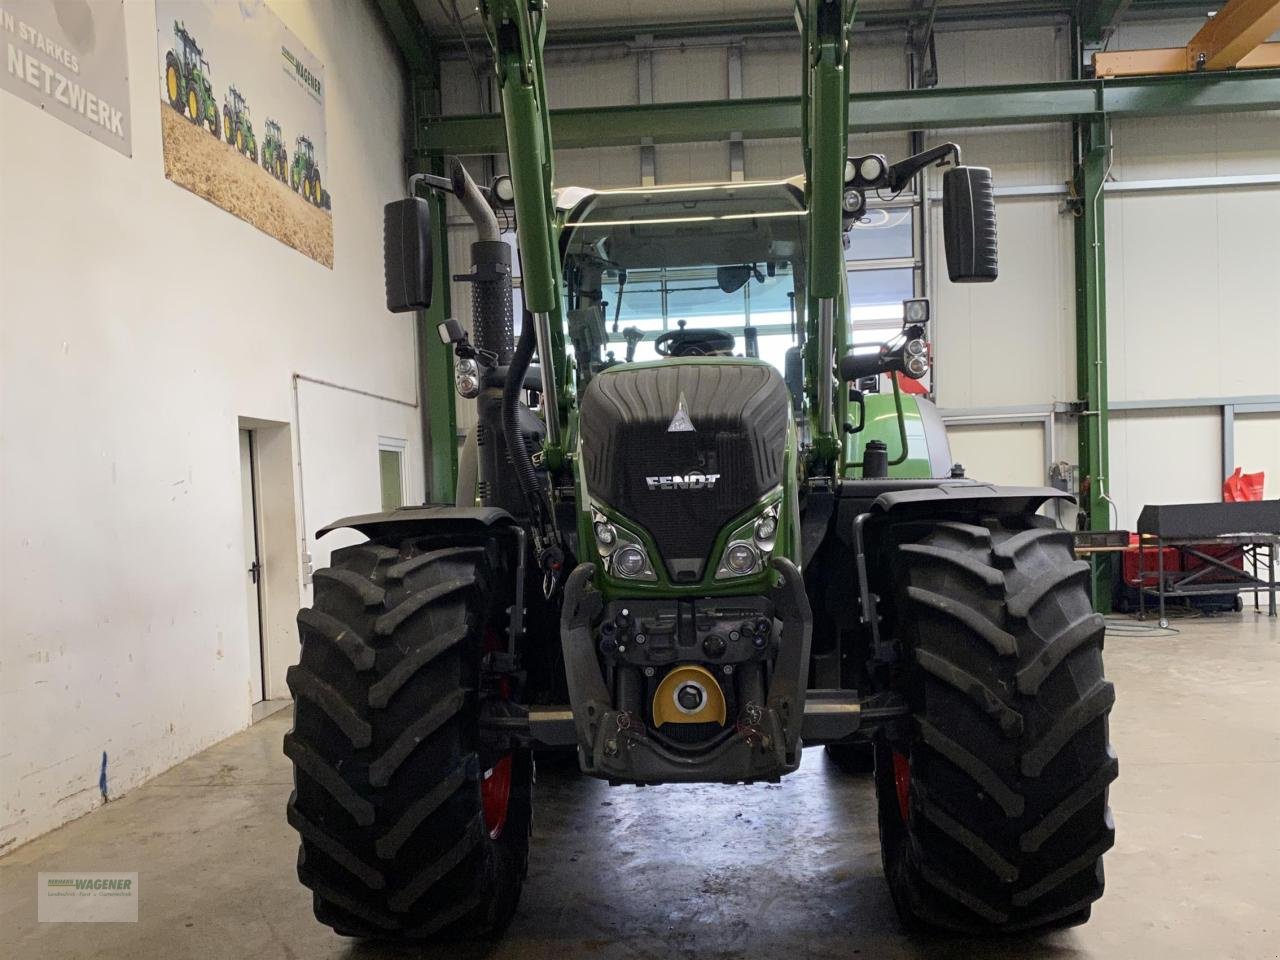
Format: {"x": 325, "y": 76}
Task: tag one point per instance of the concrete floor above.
{"x": 766, "y": 871}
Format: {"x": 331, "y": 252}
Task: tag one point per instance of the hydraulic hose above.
{"x": 521, "y": 460}
{"x": 550, "y": 554}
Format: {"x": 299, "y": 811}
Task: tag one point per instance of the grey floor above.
{"x": 789, "y": 870}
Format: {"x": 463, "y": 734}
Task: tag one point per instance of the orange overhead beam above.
{"x": 1136, "y": 63}
{"x": 1238, "y": 29}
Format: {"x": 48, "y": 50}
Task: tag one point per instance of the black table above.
{"x": 1250, "y": 529}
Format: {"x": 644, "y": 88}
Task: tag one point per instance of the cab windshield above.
{"x": 723, "y": 256}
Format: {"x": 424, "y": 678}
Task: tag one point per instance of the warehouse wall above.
{"x": 1194, "y": 307}
{"x": 141, "y": 327}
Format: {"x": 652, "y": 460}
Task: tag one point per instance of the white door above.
{"x": 252, "y": 563}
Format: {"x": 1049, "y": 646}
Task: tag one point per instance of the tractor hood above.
{"x": 681, "y": 447}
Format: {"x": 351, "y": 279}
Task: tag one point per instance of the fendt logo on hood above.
{"x": 694, "y": 480}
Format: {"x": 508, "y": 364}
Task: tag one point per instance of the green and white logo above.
{"x": 88, "y": 897}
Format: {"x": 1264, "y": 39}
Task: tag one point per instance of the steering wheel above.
{"x": 693, "y": 343}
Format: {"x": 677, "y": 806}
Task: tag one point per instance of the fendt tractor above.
{"x": 275, "y": 158}
{"x": 238, "y": 125}
{"x": 304, "y": 175}
{"x": 186, "y": 81}
{"x": 691, "y": 567}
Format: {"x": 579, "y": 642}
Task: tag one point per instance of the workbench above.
{"x": 1249, "y": 531}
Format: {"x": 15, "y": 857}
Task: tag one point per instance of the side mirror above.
{"x": 969, "y": 224}
{"x": 732, "y": 279}
{"x": 406, "y": 254}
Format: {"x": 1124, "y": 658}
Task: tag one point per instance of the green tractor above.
{"x": 304, "y": 175}
{"x": 275, "y": 159}
{"x": 689, "y": 568}
{"x": 238, "y": 125}
{"x": 186, "y": 81}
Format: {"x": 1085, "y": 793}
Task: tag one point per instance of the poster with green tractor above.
{"x": 220, "y": 63}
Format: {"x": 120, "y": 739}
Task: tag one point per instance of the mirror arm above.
{"x": 900, "y": 173}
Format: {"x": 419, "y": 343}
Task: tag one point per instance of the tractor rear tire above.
{"x": 173, "y": 82}
{"x": 993, "y": 812}
{"x": 228, "y": 126}
{"x": 411, "y": 828}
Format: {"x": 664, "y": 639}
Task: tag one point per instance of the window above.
{"x": 391, "y": 472}
{"x": 883, "y": 233}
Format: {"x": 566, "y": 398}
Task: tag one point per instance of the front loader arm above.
{"x": 826, "y": 25}
{"x": 517, "y": 31}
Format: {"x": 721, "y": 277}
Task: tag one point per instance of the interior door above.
{"x": 252, "y": 563}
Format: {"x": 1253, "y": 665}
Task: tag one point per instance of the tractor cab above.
{"x": 273, "y": 130}
{"x": 302, "y": 147}
{"x": 192, "y": 55}
{"x": 237, "y": 101}
{"x": 718, "y": 270}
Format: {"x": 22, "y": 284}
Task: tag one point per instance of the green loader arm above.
{"x": 826, "y": 25}
{"x": 517, "y": 32}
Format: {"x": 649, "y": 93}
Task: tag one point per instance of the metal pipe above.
{"x": 826, "y": 350}
{"x": 550, "y": 390}
{"x": 477, "y": 207}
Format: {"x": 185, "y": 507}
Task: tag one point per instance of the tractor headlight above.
{"x": 630, "y": 562}
{"x": 620, "y": 551}
{"x": 766, "y": 528}
{"x": 750, "y": 544}
{"x": 916, "y": 367}
{"x": 915, "y": 348}
{"x": 466, "y": 377}
{"x": 741, "y": 559}
{"x": 916, "y": 311}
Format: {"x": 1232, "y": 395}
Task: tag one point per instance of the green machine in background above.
{"x": 275, "y": 158}
{"x": 237, "y": 124}
{"x": 690, "y": 568}
{"x": 186, "y": 77}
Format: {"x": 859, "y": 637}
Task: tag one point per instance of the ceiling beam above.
{"x": 410, "y": 33}
{"x": 1238, "y": 29}
{"x": 938, "y": 108}
{"x": 1099, "y": 16}
{"x": 1135, "y": 63}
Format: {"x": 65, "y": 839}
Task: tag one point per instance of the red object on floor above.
{"x": 1241, "y": 487}
{"x": 1172, "y": 562}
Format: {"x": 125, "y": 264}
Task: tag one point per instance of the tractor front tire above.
{"x": 411, "y": 828}
{"x": 993, "y": 811}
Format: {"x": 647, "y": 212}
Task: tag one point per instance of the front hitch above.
{"x": 615, "y": 745}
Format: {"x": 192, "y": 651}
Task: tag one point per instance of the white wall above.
{"x": 1257, "y": 445}
{"x": 125, "y": 370}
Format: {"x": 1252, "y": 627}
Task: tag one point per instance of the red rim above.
{"x": 902, "y": 781}
{"x": 495, "y": 787}
{"x": 495, "y": 796}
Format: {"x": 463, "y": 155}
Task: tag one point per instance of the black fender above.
{"x": 416, "y": 521}
{"x": 966, "y": 498}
